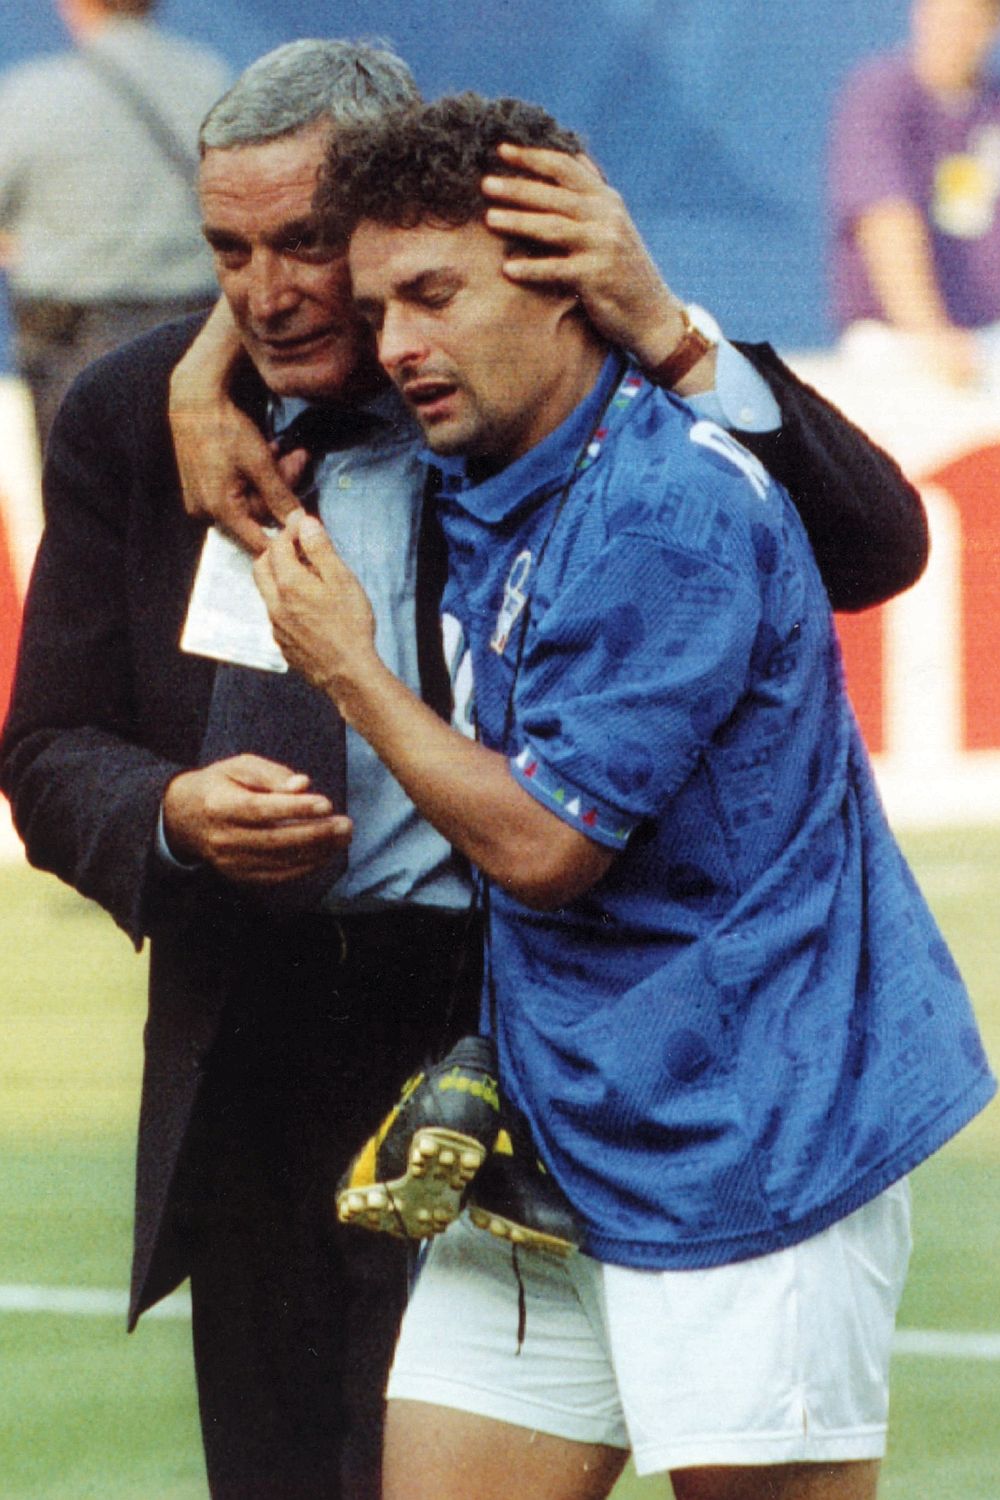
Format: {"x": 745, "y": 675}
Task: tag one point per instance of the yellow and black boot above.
{"x": 411, "y": 1177}
{"x": 514, "y": 1198}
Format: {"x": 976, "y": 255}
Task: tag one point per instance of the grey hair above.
{"x": 304, "y": 81}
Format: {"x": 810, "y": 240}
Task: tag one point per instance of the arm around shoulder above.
{"x": 865, "y": 521}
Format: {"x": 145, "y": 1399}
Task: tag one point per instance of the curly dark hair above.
{"x": 424, "y": 163}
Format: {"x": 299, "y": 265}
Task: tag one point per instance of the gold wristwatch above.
{"x": 692, "y": 346}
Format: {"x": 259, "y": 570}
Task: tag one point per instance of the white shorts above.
{"x": 780, "y": 1359}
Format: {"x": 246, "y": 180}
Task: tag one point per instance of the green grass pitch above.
{"x": 87, "y": 1412}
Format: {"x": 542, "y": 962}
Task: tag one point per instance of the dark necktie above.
{"x": 279, "y": 715}
{"x": 432, "y": 572}
{"x": 321, "y": 430}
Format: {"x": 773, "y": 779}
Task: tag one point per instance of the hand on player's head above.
{"x": 581, "y": 238}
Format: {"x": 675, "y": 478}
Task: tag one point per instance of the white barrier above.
{"x": 923, "y": 671}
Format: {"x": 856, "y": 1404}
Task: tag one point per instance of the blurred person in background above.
{"x": 99, "y": 230}
{"x": 914, "y": 191}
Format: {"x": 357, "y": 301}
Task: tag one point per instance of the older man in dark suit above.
{"x": 279, "y": 1031}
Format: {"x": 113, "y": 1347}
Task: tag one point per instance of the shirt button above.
{"x": 746, "y": 414}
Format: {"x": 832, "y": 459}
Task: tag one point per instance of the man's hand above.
{"x": 595, "y": 250}
{"x": 252, "y": 820}
{"x": 227, "y": 470}
{"x": 321, "y": 616}
{"x": 323, "y": 622}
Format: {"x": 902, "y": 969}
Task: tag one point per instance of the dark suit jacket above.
{"x": 106, "y": 709}
{"x": 865, "y": 521}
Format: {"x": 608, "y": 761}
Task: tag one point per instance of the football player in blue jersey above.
{"x": 725, "y": 1019}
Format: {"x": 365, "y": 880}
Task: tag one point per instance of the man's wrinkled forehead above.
{"x": 282, "y": 173}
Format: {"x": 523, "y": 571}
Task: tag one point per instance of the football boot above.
{"x": 514, "y": 1198}
{"x": 411, "y": 1177}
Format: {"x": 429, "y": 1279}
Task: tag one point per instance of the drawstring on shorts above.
{"x": 522, "y": 1301}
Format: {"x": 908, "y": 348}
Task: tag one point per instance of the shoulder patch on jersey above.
{"x": 721, "y": 444}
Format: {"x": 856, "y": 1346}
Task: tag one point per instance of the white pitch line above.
{"x": 86, "y": 1302}
{"x": 934, "y": 1343}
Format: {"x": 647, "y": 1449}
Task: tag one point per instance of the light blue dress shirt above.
{"x": 369, "y": 502}
{"x": 741, "y": 399}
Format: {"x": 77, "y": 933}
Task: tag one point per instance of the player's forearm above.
{"x": 324, "y": 623}
{"x": 468, "y": 793}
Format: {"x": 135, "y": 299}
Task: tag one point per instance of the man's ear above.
{"x": 571, "y": 306}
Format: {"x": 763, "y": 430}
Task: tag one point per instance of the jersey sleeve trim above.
{"x": 597, "y": 820}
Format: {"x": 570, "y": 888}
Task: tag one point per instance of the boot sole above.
{"x": 428, "y": 1197}
{"x": 520, "y": 1234}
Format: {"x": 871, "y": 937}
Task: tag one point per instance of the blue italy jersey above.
{"x": 751, "y": 1024}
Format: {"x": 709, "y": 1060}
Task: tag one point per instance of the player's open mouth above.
{"x": 429, "y": 398}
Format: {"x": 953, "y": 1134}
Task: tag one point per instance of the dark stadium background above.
{"x": 710, "y": 116}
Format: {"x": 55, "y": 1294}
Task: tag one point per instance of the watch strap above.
{"x": 692, "y": 346}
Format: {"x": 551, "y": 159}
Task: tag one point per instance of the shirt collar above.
{"x": 387, "y": 405}
{"x": 541, "y": 468}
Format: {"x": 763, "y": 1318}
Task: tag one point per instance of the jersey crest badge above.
{"x": 514, "y": 600}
